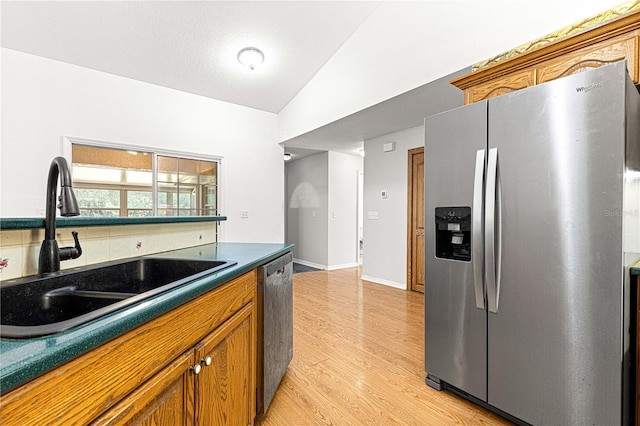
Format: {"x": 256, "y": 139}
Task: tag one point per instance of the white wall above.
{"x": 385, "y": 239}
{"x": 343, "y": 209}
{"x": 403, "y": 45}
{"x": 43, "y": 100}
{"x": 307, "y": 209}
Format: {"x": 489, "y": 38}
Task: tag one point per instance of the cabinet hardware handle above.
{"x": 206, "y": 361}
{"x": 196, "y": 369}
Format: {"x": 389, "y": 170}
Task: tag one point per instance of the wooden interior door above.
{"x": 415, "y": 221}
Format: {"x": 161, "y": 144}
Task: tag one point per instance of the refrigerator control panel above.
{"x": 453, "y": 233}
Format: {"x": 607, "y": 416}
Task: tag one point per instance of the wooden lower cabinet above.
{"x": 195, "y": 365}
{"x": 225, "y": 388}
{"x": 166, "y": 399}
{"x": 209, "y": 385}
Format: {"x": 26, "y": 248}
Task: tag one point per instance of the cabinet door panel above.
{"x": 225, "y": 389}
{"x": 597, "y": 55}
{"x": 499, "y": 86}
{"x": 166, "y": 399}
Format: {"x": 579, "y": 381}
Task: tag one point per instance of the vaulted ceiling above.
{"x": 193, "y": 45}
{"x": 190, "y": 45}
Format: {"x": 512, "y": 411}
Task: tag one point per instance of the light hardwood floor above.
{"x": 358, "y": 359}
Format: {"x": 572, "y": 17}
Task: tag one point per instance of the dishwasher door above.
{"x": 275, "y": 337}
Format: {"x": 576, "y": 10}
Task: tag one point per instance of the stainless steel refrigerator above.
{"x": 532, "y": 221}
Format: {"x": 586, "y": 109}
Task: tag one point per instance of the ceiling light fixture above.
{"x": 287, "y": 156}
{"x": 250, "y": 57}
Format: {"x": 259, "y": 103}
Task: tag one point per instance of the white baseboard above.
{"x": 310, "y": 264}
{"x": 401, "y": 286}
{"x": 346, "y": 265}
{"x": 324, "y": 267}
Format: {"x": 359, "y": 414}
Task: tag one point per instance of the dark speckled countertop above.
{"x": 66, "y": 222}
{"x": 21, "y": 360}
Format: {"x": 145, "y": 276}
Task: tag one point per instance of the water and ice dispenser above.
{"x": 453, "y": 233}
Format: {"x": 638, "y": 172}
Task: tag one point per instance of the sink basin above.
{"x": 39, "y": 306}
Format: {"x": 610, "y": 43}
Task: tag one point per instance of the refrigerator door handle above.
{"x": 476, "y": 237}
{"x": 498, "y": 233}
{"x": 492, "y": 231}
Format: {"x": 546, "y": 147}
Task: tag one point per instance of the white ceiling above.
{"x": 190, "y": 45}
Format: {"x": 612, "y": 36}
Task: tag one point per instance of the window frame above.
{"x": 123, "y": 190}
{"x": 68, "y": 141}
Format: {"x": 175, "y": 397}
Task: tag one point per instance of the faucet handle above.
{"x": 67, "y": 253}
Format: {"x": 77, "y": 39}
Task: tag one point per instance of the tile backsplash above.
{"x": 19, "y": 249}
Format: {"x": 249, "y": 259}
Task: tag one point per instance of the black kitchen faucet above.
{"x": 50, "y": 254}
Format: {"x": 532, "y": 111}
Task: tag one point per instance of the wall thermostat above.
{"x": 388, "y": 147}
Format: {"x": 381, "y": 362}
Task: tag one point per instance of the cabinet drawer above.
{"x": 508, "y": 83}
{"x": 594, "y": 56}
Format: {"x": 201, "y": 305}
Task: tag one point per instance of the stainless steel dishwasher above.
{"x": 275, "y": 336}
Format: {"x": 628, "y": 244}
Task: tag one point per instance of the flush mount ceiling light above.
{"x": 287, "y": 156}
{"x": 250, "y": 57}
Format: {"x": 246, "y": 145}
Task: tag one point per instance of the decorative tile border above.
{"x": 19, "y": 249}
{"x": 601, "y": 18}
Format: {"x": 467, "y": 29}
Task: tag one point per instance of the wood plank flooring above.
{"x": 359, "y": 359}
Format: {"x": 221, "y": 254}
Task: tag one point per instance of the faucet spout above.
{"x": 49, "y": 261}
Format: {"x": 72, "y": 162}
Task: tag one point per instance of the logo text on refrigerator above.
{"x": 588, "y": 88}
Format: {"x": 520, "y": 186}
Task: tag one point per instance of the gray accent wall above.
{"x": 307, "y": 201}
{"x": 385, "y": 238}
{"x": 322, "y": 209}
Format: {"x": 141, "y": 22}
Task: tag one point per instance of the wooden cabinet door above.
{"x": 499, "y": 86}
{"x": 165, "y": 399}
{"x": 225, "y": 391}
{"x": 594, "y": 56}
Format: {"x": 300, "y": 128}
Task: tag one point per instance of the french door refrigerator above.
{"x": 532, "y": 221}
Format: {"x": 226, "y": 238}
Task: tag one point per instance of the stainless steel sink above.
{"x": 39, "y": 306}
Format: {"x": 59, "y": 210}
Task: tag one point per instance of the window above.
{"x": 112, "y": 182}
{"x": 186, "y": 187}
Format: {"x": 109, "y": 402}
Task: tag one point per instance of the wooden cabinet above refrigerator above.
{"x": 540, "y": 61}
